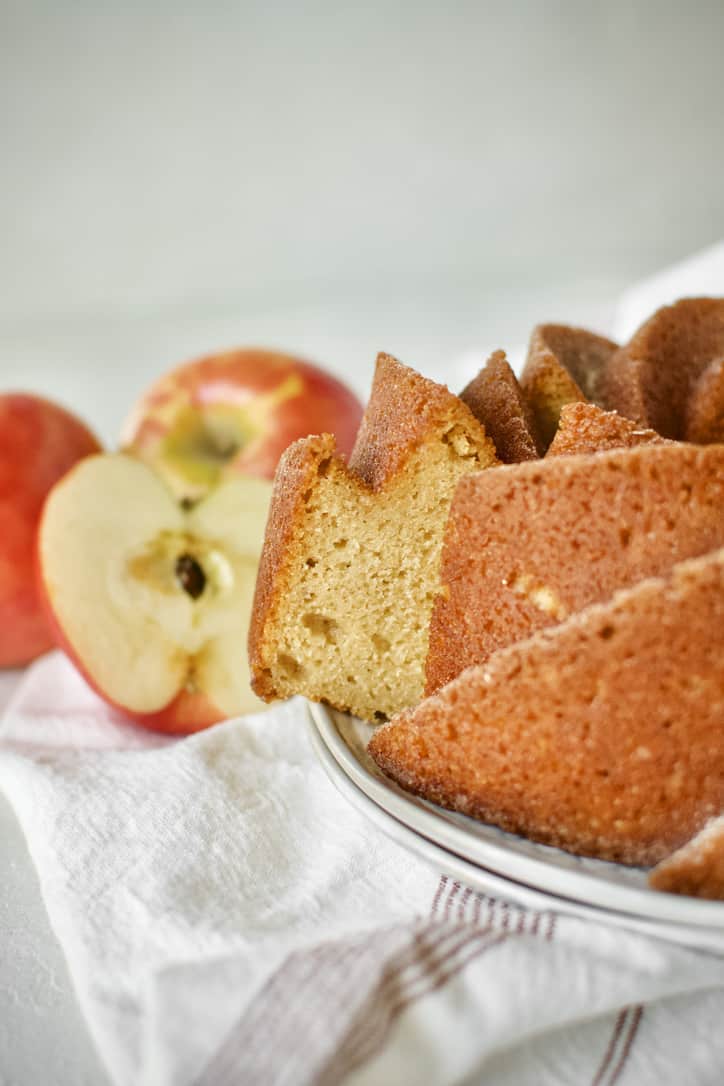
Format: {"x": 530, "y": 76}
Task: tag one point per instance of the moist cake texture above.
{"x": 351, "y": 560}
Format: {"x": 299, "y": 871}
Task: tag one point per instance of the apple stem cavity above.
{"x": 190, "y": 575}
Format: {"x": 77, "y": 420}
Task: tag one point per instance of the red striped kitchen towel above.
{"x": 227, "y": 918}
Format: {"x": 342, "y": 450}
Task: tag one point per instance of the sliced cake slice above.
{"x": 530, "y": 544}
{"x": 658, "y": 379}
{"x": 564, "y": 365}
{"x": 496, "y": 399}
{"x": 351, "y": 560}
{"x": 602, "y": 735}
{"x": 704, "y": 416}
{"x": 585, "y": 428}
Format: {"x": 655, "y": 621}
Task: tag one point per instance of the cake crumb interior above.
{"x": 364, "y": 651}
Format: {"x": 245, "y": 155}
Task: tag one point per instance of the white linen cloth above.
{"x": 228, "y": 917}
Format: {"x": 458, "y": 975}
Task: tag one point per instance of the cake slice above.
{"x": 602, "y": 735}
{"x": 564, "y": 365}
{"x": 530, "y": 544}
{"x": 704, "y": 417}
{"x": 496, "y": 399}
{"x": 653, "y": 377}
{"x": 351, "y": 560}
{"x": 697, "y": 868}
{"x": 585, "y": 428}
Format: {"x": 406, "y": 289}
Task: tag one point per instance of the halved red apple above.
{"x": 152, "y": 600}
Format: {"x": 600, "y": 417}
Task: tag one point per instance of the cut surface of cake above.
{"x": 585, "y": 428}
{"x": 530, "y": 544}
{"x": 564, "y": 365}
{"x": 496, "y": 399}
{"x": 668, "y": 375}
{"x": 351, "y": 560}
{"x": 602, "y": 735}
{"x": 697, "y": 868}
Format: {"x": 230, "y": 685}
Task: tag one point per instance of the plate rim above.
{"x": 696, "y": 938}
{"x": 424, "y": 820}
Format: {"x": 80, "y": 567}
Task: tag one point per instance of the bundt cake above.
{"x": 669, "y": 376}
{"x": 563, "y": 613}
{"x": 602, "y": 735}
{"x": 564, "y": 365}
{"x": 585, "y": 428}
{"x": 697, "y": 868}
{"x": 350, "y": 565}
{"x": 530, "y": 544}
{"x": 496, "y": 399}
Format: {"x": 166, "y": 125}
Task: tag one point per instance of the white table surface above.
{"x": 98, "y": 367}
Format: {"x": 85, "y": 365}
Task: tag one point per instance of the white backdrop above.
{"x": 338, "y": 178}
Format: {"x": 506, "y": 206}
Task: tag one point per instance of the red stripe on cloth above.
{"x": 635, "y": 1021}
{"x": 612, "y": 1045}
{"x": 462, "y": 907}
{"x": 438, "y": 894}
{"x": 292, "y": 1000}
{"x": 550, "y": 933}
{"x": 384, "y": 1013}
{"x": 372, "y": 976}
{"x": 454, "y": 891}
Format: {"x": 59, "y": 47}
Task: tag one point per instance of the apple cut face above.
{"x": 151, "y": 600}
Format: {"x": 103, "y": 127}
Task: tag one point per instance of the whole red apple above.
{"x": 234, "y": 414}
{"x": 39, "y": 442}
{"x": 152, "y": 600}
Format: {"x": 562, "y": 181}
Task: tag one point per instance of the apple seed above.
{"x": 190, "y": 575}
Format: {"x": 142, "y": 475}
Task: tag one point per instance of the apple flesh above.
{"x": 151, "y": 600}
{"x": 234, "y": 414}
{"x": 39, "y": 442}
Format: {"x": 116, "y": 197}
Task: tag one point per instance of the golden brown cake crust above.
{"x": 529, "y": 544}
{"x": 704, "y": 419}
{"x": 564, "y": 365}
{"x": 651, "y": 378}
{"x": 298, "y": 471}
{"x": 697, "y": 868}
{"x": 601, "y": 735}
{"x": 496, "y": 399}
{"x": 585, "y": 428}
{"x": 403, "y": 409}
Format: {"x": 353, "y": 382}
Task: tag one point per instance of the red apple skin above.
{"x": 279, "y": 398}
{"x": 188, "y": 712}
{"x": 39, "y": 443}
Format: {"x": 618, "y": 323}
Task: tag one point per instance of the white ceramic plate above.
{"x": 583, "y": 883}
